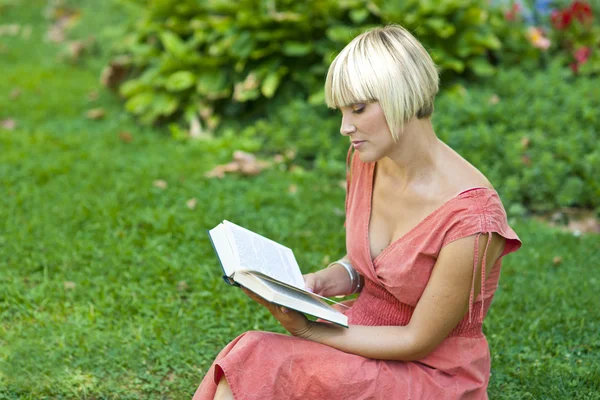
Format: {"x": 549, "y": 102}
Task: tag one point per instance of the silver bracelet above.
{"x": 354, "y": 276}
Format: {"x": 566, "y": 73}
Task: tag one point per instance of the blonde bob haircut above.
{"x": 387, "y": 65}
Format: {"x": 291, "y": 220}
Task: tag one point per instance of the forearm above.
{"x": 377, "y": 342}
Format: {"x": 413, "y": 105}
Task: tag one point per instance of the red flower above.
{"x": 582, "y": 54}
{"x": 561, "y": 19}
{"x": 574, "y": 66}
{"x": 511, "y": 14}
{"x": 582, "y": 11}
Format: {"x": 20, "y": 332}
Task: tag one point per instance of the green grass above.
{"x": 148, "y": 310}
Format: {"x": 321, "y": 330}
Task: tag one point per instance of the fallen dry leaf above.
{"x": 114, "y": 73}
{"x": 220, "y": 170}
{"x": 125, "y": 137}
{"x": 15, "y": 94}
{"x": 182, "y": 286}
{"x": 525, "y": 142}
{"x": 293, "y": 188}
{"x": 557, "y": 260}
{"x": 8, "y": 124}
{"x": 63, "y": 18}
{"x": 494, "y": 99}
{"x": 55, "y": 34}
{"x": 95, "y": 113}
{"x": 10, "y": 29}
{"x": 191, "y": 203}
{"x": 576, "y": 221}
{"x": 196, "y": 131}
{"x": 161, "y": 184}
{"x": 76, "y": 49}
{"x": 243, "y": 162}
{"x": 93, "y": 95}
{"x": 584, "y": 225}
{"x": 69, "y": 285}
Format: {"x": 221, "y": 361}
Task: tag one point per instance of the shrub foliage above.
{"x": 219, "y": 58}
{"x": 534, "y": 136}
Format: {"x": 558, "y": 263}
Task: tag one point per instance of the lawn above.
{"x": 109, "y": 288}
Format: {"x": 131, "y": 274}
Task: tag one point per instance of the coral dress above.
{"x": 263, "y": 365}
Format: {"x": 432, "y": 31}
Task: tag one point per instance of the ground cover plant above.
{"x": 109, "y": 288}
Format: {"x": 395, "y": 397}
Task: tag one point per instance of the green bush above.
{"x": 534, "y": 136}
{"x": 228, "y": 59}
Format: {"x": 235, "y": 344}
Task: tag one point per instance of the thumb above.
{"x": 309, "y": 282}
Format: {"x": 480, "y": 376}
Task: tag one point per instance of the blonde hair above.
{"x": 386, "y": 65}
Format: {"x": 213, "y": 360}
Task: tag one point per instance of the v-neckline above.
{"x": 392, "y": 244}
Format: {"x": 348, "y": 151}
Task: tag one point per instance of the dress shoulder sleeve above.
{"x": 480, "y": 212}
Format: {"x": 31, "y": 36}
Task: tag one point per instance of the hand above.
{"x": 328, "y": 282}
{"x": 314, "y": 283}
{"x": 294, "y": 322}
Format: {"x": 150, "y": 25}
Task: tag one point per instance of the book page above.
{"x": 257, "y": 253}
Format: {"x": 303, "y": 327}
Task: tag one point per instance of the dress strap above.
{"x": 475, "y": 262}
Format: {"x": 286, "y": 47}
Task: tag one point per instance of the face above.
{"x": 368, "y": 131}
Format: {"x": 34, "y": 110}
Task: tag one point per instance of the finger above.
{"x": 309, "y": 283}
{"x": 255, "y": 297}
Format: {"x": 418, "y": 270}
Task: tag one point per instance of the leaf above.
{"x": 212, "y": 83}
{"x": 95, "y": 113}
{"x": 164, "y": 104}
{"x": 68, "y": 285}
{"x": 139, "y": 103}
{"x": 10, "y": 30}
{"x": 15, "y": 94}
{"x": 557, "y": 260}
{"x": 114, "y": 73}
{"x": 173, "y": 44}
{"x": 296, "y": 49}
{"x": 243, "y": 162}
{"x": 270, "y": 84}
{"x": 317, "y": 98}
{"x": 339, "y": 33}
{"x": 481, "y": 67}
{"x": 180, "y": 80}
{"x": 191, "y": 203}
{"x": 125, "y": 137}
{"x": 359, "y": 15}
{"x": 8, "y": 124}
{"x": 160, "y": 183}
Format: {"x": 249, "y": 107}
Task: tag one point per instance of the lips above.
{"x": 358, "y": 143}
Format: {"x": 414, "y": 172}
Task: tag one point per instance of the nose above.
{"x": 347, "y": 128}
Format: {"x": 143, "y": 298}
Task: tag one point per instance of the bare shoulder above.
{"x": 459, "y": 174}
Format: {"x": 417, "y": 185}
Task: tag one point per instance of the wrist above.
{"x": 353, "y": 276}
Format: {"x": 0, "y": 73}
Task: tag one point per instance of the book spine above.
{"x": 226, "y": 278}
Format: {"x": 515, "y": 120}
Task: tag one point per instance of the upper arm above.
{"x": 445, "y": 300}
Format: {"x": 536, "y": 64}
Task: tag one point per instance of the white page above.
{"x": 260, "y": 254}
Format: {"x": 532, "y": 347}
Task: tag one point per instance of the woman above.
{"x": 425, "y": 235}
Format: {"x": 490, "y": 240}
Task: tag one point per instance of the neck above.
{"x": 414, "y": 155}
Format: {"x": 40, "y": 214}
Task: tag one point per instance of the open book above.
{"x": 268, "y": 269}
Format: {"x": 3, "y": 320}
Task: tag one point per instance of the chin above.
{"x": 367, "y": 157}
